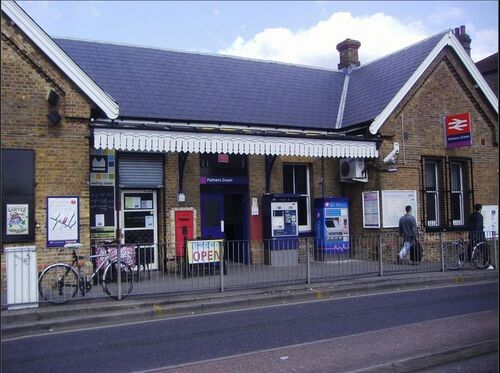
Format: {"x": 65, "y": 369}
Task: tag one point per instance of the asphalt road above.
{"x": 183, "y": 340}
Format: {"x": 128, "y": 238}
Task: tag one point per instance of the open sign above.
{"x": 205, "y": 251}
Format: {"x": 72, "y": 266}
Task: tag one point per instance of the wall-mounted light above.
{"x": 54, "y": 117}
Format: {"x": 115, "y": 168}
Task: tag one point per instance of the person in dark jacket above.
{"x": 475, "y": 226}
{"x": 408, "y": 230}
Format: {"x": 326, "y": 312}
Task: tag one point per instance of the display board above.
{"x": 393, "y": 206}
{"x": 490, "y": 220}
{"x": 371, "y": 209}
{"x": 102, "y": 206}
{"x": 63, "y": 216}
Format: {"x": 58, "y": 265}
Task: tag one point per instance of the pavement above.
{"x": 48, "y": 319}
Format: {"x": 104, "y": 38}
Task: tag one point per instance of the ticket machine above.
{"x": 331, "y": 223}
{"x": 281, "y": 229}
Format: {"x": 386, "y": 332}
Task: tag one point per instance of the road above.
{"x": 270, "y": 330}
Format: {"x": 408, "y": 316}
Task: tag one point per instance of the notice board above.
{"x": 393, "y": 206}
{"x": 102, "y": 206}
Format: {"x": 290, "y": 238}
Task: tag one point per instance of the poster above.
{"x": 99, "y": 220}
{"x": 490, "y": 220}
{"x": 63, "y": 216}
{"x": 132, "y": 203}
{"x": 393, "y": 206}
{"x": 371, "y": 209}
{"x": 102, "y": 167}
{"x": 17, "y": 219}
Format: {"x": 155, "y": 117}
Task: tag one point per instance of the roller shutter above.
{"x": 140, "y": 170}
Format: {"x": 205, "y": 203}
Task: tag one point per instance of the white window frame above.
{"x": 307, "y": 227}
{"x": 436, "y": 193}
{"x": 459, "y": 191}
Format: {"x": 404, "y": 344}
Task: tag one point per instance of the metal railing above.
{"x": 266, "y": 263}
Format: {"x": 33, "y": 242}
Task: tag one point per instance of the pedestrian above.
{"x": 408, "y": 230}
{"x": 475, "y": 226}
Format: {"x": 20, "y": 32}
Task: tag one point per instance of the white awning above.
{"x": 167, "y": 141}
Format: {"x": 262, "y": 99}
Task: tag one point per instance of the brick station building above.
{"x": 145, "y": 140}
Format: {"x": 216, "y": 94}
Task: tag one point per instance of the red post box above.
{"x": 184, "y": 230}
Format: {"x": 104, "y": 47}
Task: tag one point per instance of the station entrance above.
{"x": 224, "y": 202}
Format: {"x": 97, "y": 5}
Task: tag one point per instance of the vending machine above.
{"x": 331, "y": 226}
{"x": 281, "y": 229}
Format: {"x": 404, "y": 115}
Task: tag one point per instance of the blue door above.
{"x": 212, "y": 216}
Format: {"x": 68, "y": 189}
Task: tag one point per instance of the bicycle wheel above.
{"x": 110, "y": 279}
{"x": 454, "y": 256}
{"x": 480, "y": 256}
{"x": 58, "y": 283}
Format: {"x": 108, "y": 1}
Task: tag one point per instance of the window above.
{"x": 448, "y": 195}
{"x": 296, "y": 181}
{"x": 457, "y": 192}
{"x": 432, "y": 193}
{"x": 18, "y": 195}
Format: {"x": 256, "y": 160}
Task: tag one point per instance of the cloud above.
{"x": 483, "y": 43}
{"x": 379, "y": 35}
{"x": 91, "y": 9}
{"x": 41, "y": 10}
{"x": 445, "y": 15}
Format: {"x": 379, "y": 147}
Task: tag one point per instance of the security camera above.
{"x": 391, "y": 157}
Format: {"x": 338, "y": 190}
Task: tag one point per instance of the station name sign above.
{"x": 458, "y": 130}
{"x": 223, "y": 180}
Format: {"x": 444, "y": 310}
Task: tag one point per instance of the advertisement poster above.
{"x": 62, "y": 220}
{"x": 393, "y": 206}
{"x": 371, "y": 209}
{"x": 17, "y": 219}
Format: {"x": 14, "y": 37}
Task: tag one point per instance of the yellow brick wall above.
{"x": 446, "y": 88}
{"x": 61, "y": 151}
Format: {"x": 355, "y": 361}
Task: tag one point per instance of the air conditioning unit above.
{"x": 353, "y": 169}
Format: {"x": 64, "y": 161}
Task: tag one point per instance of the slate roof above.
{"x": 179, "y": 86}
{"x": 162, "y": 84}
{"x": 372, "y": 86}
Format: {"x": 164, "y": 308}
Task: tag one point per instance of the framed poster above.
{"x": 18, "y": 219}
{"x": 371, "y": 209}
{"x": 63, "y": 216}
{"x": 490, "y": 216}
{"x": 393, "y": 206}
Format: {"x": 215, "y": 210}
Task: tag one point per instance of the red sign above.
{"x": 223, "y": 158}
{"x": 458, "y": 130}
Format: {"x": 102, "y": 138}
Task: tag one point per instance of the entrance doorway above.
{"x": 223, "y": 216}
{"x": 139, "y": 224}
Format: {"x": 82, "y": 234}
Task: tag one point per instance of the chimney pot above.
{"x": 463, "y": 38}
{"x": 348, "y": 50}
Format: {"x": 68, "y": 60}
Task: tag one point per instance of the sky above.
{"x": 298, "y": 32}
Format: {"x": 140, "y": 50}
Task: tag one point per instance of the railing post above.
{"x": 118, "y": 270}
{"x": 380, "y": 253}
{"x": 221, "y": 266}
{"x": 308, "y": 261}
{"x": 495, "y": 241}
{"x": 441, "y": 250}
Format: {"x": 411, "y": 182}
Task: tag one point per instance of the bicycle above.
{"x": 456, "y": 254}
{"x": 60, "y": 282}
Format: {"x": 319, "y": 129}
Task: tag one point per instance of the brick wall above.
{"x": 446, "y": 88}
{"x": 61, "y": 151}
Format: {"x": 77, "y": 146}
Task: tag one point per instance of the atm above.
{"x": 331, "y": 226}
{"x": 281, "y": 229}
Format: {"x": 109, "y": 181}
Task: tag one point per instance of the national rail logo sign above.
{"x": 458, "y": 130}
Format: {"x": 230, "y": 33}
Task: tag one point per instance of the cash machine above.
{"x": 281, "y": 229}
{"x": 331, "y": 227}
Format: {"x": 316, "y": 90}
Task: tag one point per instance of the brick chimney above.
{"x": 463, "y": 38}
{"x": 348, "y": 50}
